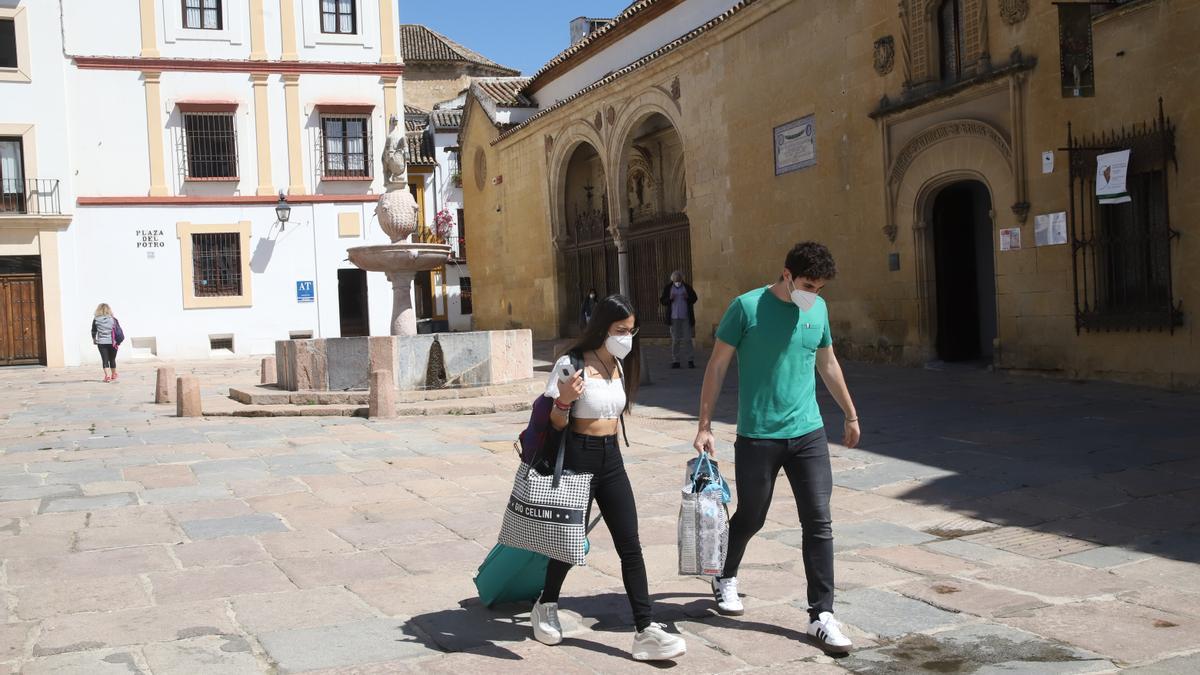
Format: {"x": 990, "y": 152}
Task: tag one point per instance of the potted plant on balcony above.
{"x": 456, "y": 179}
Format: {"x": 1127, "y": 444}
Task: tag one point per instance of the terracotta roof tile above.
{"x": 414, "y": 110}
{"x": 567, "y": 53}
{"x": 669, "y": 47}
{"x": 446, "y": 120}
{"x": 505, "y": 91}
{"x": 419, "y": 43}
{"x": 420, "y": 148}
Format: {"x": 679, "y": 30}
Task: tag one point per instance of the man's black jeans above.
{"x": 805, "y": 460}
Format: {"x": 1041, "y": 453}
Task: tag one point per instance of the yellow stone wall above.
{"x": 779, "y": 60}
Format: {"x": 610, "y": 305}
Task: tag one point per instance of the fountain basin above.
{"x": 400, "y": 257}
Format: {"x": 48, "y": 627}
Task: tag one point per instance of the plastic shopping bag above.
{"x": 703, "y": 524}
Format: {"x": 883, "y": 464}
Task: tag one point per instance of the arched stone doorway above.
{"x": 964, "y": 272}
{"x": 588, "y": 252}
{"x": 652, "y": 199}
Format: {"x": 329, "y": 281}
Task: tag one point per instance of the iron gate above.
{"x": 656, "y": 248}
{"x": 1121, "y": 253}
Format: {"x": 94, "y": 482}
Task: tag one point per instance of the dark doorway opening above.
{"x": 352, "y": 303}
{"x": 966, "y": 275}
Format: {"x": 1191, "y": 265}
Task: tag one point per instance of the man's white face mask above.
{"x": 803, "y": 299}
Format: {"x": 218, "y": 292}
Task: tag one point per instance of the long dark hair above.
{"x": 605, "y": 313}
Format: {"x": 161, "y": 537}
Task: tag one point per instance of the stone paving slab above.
{"x": 381, "y": 524}
{"x": 348, "y": 644}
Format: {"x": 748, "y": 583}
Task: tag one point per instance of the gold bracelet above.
{"x": 851, "y": 420}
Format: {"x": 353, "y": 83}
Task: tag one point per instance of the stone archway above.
{"x": 648, "y": 159}
{"x": 944, "y": 154}
{"x": 586, "y": 252}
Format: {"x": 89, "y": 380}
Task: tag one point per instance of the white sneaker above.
{"x": 725, "y": 591}
{"x": 656, "y": 644}
{"x": 828, "y": 633}
{"x": 544, "y": 619}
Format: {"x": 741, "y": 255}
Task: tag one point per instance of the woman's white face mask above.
{"x": 619, "y": 345}
{"x": 803, "y": 299}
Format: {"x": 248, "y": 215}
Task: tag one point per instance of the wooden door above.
{"x": 22, "y": 325}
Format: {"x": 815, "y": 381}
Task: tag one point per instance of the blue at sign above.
{"x": 305, "y": 291}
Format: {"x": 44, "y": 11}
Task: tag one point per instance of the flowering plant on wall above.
{"x": 443, "y": 224}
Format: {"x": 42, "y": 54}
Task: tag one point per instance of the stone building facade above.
{"x": 930, "y": 145}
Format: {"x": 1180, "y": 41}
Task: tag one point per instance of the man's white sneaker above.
{"x": 828, "y": 634}
{"x": 544, "y": 619}
{"x": 725, "y": 591}
{"x": 656, "y": 644}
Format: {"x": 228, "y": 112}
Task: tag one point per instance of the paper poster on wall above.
{"x": 1050, "y": 229}
{"x": 1110, "y": 177}
{"x": 795, "y": 145}
{"x": 1010, "y": 239}
{"x": 1048, "y": 161}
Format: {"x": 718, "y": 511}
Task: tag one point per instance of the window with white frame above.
{"x": 202, "y": 14}
{"x": 8, "y": 43}
{"x": 338, "y": 16}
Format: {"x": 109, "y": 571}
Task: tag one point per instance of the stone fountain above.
{"x": 416, "y": 362}
{"x": 397, "y": 214}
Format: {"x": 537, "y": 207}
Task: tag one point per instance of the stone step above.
{"x": 223, "y": 407}
{"x": 270, "y": 395}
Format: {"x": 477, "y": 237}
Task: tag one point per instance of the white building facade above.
{"x": 183, "y": 121}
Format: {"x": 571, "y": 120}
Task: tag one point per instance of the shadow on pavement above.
{"x": 1106, "y": 464}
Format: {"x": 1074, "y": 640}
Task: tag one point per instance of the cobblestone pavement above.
{"x": 989, "y": 524}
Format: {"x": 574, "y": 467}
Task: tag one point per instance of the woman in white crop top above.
{"x": 588, "y": 405}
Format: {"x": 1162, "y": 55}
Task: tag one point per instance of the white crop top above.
{"x": 601, "y": 400}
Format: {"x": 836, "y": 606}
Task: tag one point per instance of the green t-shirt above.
{"x": 777, "y": 347}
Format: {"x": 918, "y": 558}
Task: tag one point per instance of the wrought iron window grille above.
{"x": 345, "y": 147}
{"x": 210, "y": 146}
{"x": 1121, "y": 254}
{"x": 216, "y": 264}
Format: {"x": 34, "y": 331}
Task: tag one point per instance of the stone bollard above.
{"x": 187, "y": 399}
{"x": 382, "y": 403}
{"x": 162, "y": 388}
{"x": 267, "y": 370}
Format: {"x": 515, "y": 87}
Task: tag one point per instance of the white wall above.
{"x": 674, "y": 23}
{"x": 42, "y": 101}
{"x": 101, "y": 28}
{"x": 146, "y": 293}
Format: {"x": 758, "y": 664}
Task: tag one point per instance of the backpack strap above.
{"x": 621, "y": 417}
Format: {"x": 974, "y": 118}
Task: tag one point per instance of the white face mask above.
{"x": 678, "y": 284}
{"x": 803, "y": 299}
{"x": 619, "y": 345}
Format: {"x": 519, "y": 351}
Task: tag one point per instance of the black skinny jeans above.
{"x": 805, "y": 460}
{"x": 601, "y": 455}
{"x": 108, "y": 356}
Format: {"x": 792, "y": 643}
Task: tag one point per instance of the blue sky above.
{"x": 521, "y": 34}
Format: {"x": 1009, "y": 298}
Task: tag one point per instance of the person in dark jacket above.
{"x": 588, "y": 308}
{"x": 679, "y": 299}
{"x": 104, "y": 326}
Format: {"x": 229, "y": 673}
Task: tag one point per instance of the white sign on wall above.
{"x": 1110, "y": 177}
{"x": 1050, "y": 229}
{"x": 1010, "y": 239}
{"x": 796, "y": 145}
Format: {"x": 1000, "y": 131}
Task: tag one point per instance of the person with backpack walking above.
{"x": 107, "y": 336}
{"x": 781, "y": 336}
{"x": 679, "y": 299}
{"x": 588, "y": 406}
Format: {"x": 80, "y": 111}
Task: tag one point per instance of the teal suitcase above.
{"x": 510, "y": 574}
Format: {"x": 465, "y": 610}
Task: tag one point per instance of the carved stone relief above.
{"x": 1014, "y": 11}
{"x": 885, "y": 54}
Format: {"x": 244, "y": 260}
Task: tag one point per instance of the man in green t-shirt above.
{"x": 780, "y": 334}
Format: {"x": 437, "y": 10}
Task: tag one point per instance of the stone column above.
{"x": 404, "y": 317}
{"x": 267, "y": 374}
{"x": 382, "y": 402}
{"x": 187, "y": 399}
{"x": 162, "y": 388}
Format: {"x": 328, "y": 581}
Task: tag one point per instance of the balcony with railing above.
{"x": 29, "y": 197}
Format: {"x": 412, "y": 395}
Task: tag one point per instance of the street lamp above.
{"x": 283, "y": 210}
